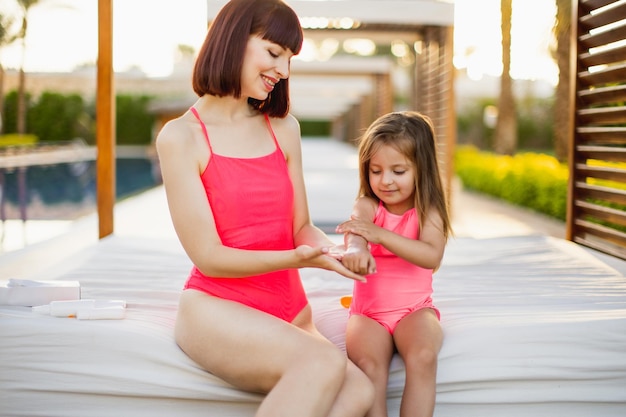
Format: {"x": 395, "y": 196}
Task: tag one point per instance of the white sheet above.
{"x": 534, "y": 326}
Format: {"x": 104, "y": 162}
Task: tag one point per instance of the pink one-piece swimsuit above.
{"x": 252, "y": 202}
{"x": 399, "y": 287}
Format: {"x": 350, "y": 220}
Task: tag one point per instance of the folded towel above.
{"x": 31, "y": 283}
{"x": 25, "y": 292}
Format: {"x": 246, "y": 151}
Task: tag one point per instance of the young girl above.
{"x": 232, "y": 170}
{"x": 402, "y": 215}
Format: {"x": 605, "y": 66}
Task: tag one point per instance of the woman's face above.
{"x": 265, "y": 64}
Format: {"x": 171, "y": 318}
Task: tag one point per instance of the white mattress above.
{"x": 534, "y": 326}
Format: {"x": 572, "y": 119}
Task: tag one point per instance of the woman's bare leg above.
{"x": 356, "y": 396}
{"x": 370, "y": 347}
{"x": 357, "y": 393}
{"x": 418, "y": 338}
{"x": 301, "y": 373}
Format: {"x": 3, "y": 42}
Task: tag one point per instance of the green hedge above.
{"x": 14, "y": 139}
{"x": 533, "y": 180}
{"x": 55, "y": 117}
{"x": 133, "y": 121}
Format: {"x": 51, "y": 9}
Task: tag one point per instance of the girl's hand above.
{"x": 337, "y": 251}
{"x": 364, "y": 228}
{"x": 359, "y": 260}
{"x": 319, "y": 257}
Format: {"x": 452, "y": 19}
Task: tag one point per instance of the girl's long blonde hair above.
{"x": 412, "y": 134}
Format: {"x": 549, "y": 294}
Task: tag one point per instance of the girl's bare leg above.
{"x": 370, "y": 347}
{"x": 418, "y": 338}
{"x": 302, "y": 373}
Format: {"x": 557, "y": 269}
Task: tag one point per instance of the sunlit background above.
{"x": 62, "y": 36}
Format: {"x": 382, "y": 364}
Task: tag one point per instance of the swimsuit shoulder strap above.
{"x": 206, "y": 134}
{"x": 269, "y": 126}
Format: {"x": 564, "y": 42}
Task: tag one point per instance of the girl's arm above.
{"x": 183, "y": 153}
{"x": 426, "y": 252}
{"x": 357, "y": 256}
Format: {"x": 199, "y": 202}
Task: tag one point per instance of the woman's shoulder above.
{"x": 288, "y": 126}
{"x": 178, "y": 136}
{"x": 287, "y": 132}
{"x": 175, "y": 130}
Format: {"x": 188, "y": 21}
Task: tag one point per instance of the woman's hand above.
{"x": 337, "y": 251}
{"x": 320, "y": 257}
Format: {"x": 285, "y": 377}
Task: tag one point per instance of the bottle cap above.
{"x": 44, "y": 309}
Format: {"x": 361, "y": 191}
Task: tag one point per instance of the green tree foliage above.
{"x": 54, "y": 117}
{"x": 10, "y": 111}
{"x": 133, "y": 120}
{"x": 534, "y": 124}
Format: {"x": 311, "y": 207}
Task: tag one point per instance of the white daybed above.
{"x": 534, "y": 326}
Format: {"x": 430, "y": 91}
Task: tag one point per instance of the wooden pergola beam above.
{"x": 105, "y": 121}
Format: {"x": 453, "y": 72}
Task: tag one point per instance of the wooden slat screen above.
{"x": 434, "y": 96}
{"x": 597, "y": 201}
{"x": 433, "y": 82}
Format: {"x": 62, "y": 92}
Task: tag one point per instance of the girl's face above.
{"x": 265, "y": 64}
{"x": 392, "y": 178}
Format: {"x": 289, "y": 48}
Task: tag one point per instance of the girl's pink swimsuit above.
{"x": 252, "y": 201}
{"x": 399, "y": 287}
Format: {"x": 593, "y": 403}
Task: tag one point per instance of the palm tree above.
{"x": 5, "y": 39}
{"x": 562, "y": 32}
{"x": 25, "y": 5}
{"x": 506, "y": 125}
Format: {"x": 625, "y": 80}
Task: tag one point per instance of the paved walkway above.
{"x": 331, "y": 175}
{"x": 331, "y": 172}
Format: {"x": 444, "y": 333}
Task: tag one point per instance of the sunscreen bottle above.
{"x": 102, "y": 313}
{"x": 72, "y": 308}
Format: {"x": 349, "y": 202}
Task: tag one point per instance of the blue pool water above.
{"x": 64, "y": 191}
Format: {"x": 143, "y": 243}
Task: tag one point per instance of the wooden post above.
{"x": 3, "y": 198}
{"x": 22, "y": 192}
{"x": 449, "y": 103}
{"x": 105, "y": 120}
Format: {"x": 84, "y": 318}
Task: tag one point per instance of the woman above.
{"x": 232, "y": 171}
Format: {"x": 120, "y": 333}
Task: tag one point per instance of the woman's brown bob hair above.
{"x": 217, "y": 69}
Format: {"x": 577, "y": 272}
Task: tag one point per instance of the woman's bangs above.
{"x": 283, "y": 28}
